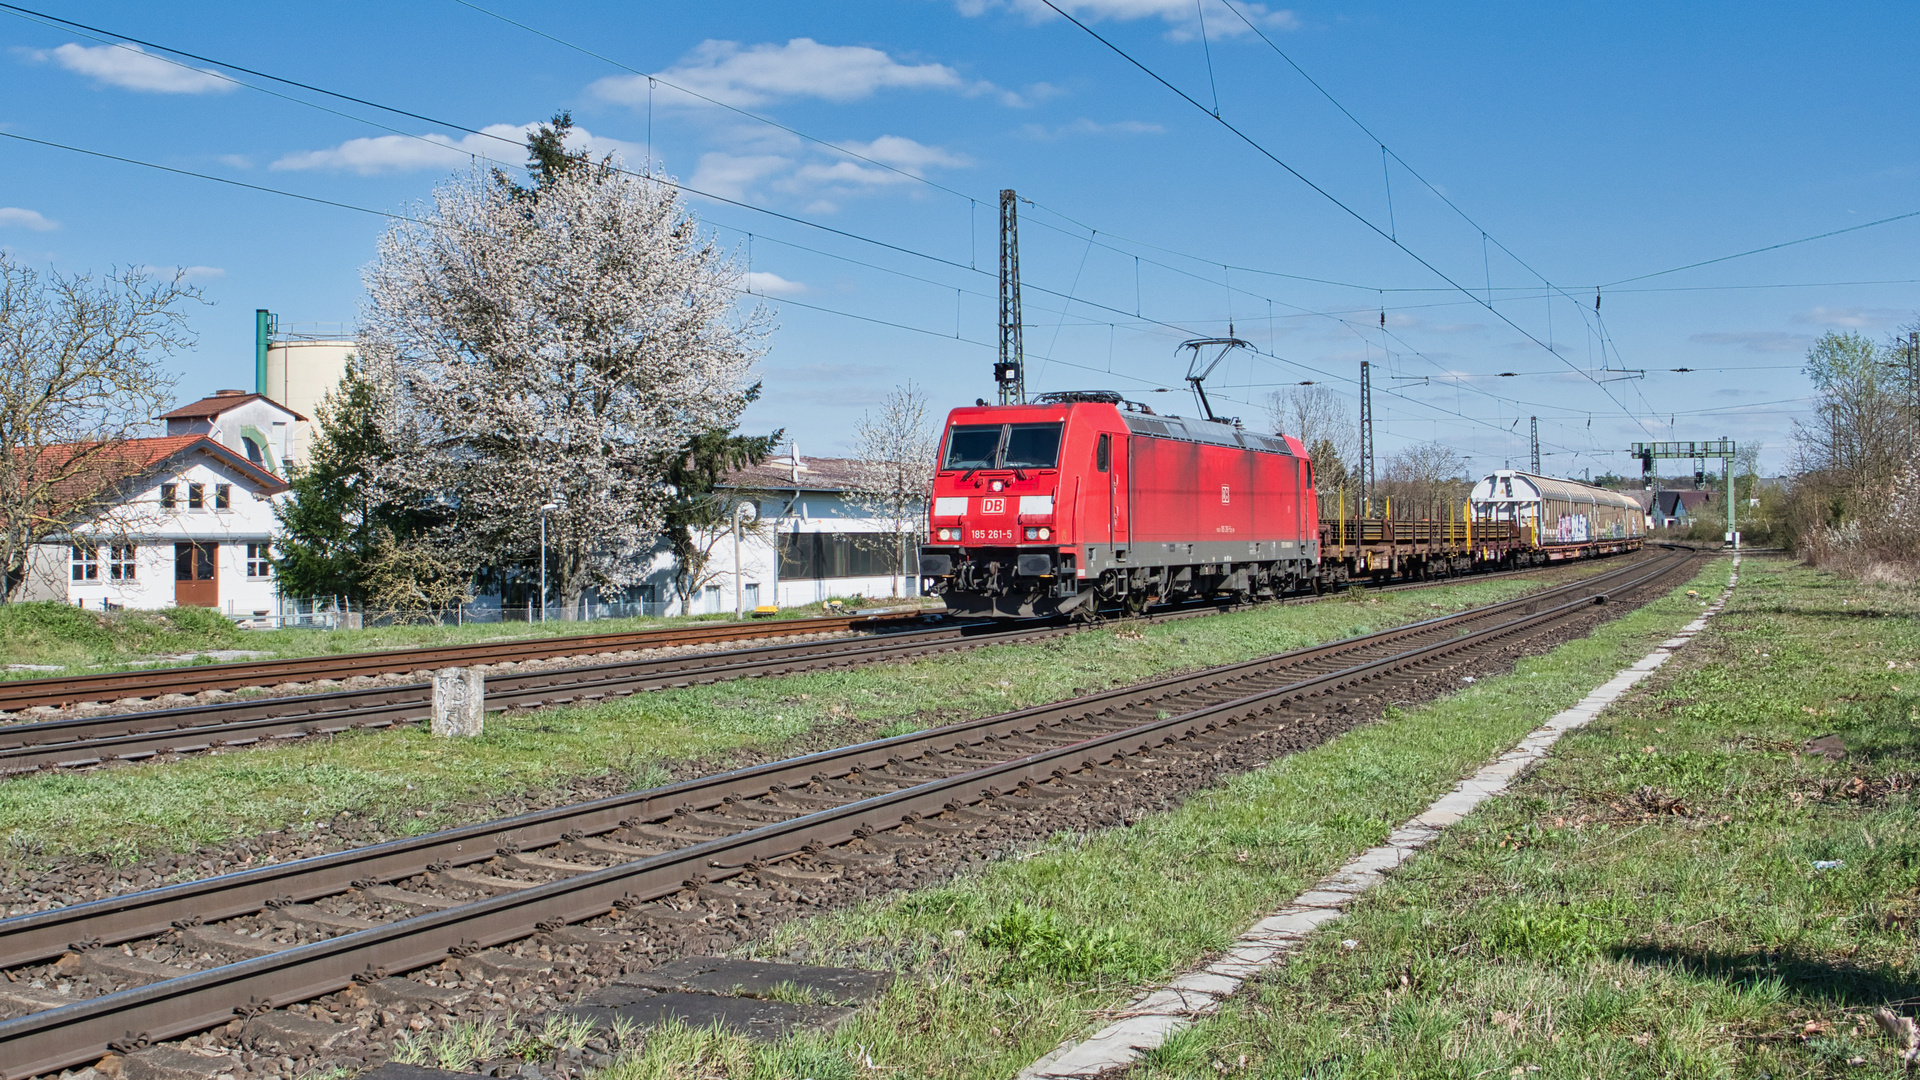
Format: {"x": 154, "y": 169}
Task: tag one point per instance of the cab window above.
{"x": 972, "y": 446}
{"x": 1032, "y": 446}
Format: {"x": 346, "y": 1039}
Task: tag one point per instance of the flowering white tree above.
{"x": 896, "y": 450}
{"x": 552, "y": 345}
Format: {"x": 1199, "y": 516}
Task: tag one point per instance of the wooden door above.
{"x": 195, "y": 580}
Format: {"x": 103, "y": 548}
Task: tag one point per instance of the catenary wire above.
{"x": 948, "y": 262}
{"x": 39, "y": 16}
{"x": 1329, "y": 196}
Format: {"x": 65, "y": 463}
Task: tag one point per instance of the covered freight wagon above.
{"x": 1564, "y": 518}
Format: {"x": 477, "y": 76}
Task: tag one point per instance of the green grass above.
{"x": 999, "y": 965}
{"x": 83, "y": 641}
{"x": 49, "y": 633}
{"x": 1651, "y": 902}
{"x": 410, "y": 782}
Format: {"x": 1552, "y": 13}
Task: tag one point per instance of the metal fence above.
{"x": 333, "y": 614}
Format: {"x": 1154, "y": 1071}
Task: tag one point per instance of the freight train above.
{"x": 1083, "y": 503}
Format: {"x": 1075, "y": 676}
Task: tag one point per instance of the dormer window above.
{"x": 255, "y": 453}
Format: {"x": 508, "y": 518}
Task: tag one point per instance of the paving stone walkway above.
{"x": 1156, "y": 1015}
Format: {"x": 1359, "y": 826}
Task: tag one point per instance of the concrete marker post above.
{"x": 459, "y": 701}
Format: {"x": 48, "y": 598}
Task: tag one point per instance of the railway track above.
{"x": 159, "y": 964}
{"x": 68, "y": 690}
{"x": 84, "y": 741}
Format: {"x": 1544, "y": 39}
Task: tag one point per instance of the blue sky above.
{"x": 1589, "y": 145}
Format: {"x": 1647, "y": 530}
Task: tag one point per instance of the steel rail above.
{"x": 52, "y": 1039}
{"x": 87, "y": 741}
{"x": 61, "y": 691}
{"x": 132, "y": 736}
{"x": 151, "y": 682}
{"x": 27, "y": 938}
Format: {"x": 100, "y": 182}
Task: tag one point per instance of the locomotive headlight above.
{"x": 995, "y": 485}
{"x": 1033, "y": 534}
{"x": 949, "y": 534}
{"x": 1045, "y": 532}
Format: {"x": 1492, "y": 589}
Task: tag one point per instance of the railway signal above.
{"x": 1700, "y": 451}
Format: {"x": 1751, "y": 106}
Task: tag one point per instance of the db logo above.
{"x": 1226, "y": 496}
{"x": 993, "y": 506}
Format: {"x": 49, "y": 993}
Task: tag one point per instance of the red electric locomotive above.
{"x": 1083, "y": 501}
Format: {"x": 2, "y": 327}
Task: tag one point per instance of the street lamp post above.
{"x": 543, "y": 558}
{"x": 742, "y": 511}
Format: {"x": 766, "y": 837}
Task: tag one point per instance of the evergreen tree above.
{"x": 330, "y": 535}
{"x": 699, "y": 511}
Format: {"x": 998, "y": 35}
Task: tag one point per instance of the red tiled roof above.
{"x": 125, "y": 460}
{"x": 219, "y": 403}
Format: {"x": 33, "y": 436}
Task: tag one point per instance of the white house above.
{"x": 811, "y": 539}
{"x": 253, "y": 424}
{"x": 190, "y": 526}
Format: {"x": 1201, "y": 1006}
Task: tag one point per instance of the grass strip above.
{"x": 1693, "y": 886}
{"x": 408, "y": 782}
{"x": 1002, "y": 964}
{"x": 51, "y": 639}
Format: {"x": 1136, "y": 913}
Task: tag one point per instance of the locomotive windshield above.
{"x": 1032, "y": 446}
{"x": 1003, "y": 446}
{"x": 972, "y": 446}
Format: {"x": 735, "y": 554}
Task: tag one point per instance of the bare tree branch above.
{"x": 82, "y": 370}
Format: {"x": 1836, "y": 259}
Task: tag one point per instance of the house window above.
{"x": 259, "y": 563}
{"x": 223, "y": 496}
{"x": 196, "y": 496}
{"x": 86, "y": 562}
{"x": 120, "y": 562}
{"x": 169, "y": 496}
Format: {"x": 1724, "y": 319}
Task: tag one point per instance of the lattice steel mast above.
{"x": 1366, "y": 434}
{"x": 1011, "y": 371}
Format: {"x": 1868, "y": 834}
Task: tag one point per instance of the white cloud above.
{"x": 913, "y": 159}
{"x": 14, "y": 216}
{"x": 760, "y": 281}
{"x": 1084, "y": 126}
{"x": 757, "y": 74}
{"x": 405, "y": 153}
{"x": 730, "y": 175}
{"x": 1851, "y": 318}
{"x": 1181, "y": 15}
{"x": 132, "y": 68}
{"x": 187, "y": 273}
{"x": 820, "y": 179}
{"x": 1760, "y": 341}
